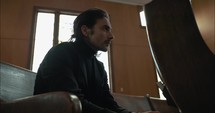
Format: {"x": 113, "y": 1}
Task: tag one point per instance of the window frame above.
{"x": 57, "y": 13}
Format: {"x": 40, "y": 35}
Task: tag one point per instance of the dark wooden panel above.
{"x": 184, "y": 61}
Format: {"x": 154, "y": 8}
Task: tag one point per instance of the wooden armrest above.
{"x": 53, "y": 102}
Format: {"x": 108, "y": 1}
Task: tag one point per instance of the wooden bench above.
{"x": 17, "y": 86}
{"x": 17, "y": 94}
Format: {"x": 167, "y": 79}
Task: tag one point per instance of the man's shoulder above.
{"x": 62, "y": 51}
{"x": 61, "y": 54}
{"x": 63, "y": 47}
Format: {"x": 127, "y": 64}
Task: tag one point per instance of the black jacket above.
{"x": 73, "y": 67}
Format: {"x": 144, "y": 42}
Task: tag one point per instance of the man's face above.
{"x": 100, "y": 36}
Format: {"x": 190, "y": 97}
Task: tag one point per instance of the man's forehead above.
{"x": 104, "y": 22}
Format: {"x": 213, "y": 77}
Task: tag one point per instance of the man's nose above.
{"x": 111, "y": 36}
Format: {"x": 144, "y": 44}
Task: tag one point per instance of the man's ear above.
{"x": 85, "y": 30}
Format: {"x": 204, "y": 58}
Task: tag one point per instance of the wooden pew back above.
{"x": 16, "y": 82}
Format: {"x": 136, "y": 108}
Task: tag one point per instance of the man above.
{"x": 73, "y": 67}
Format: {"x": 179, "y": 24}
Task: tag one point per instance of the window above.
{"x": 52, "y": 28}
{"x": 43, "y": 37}
{"x": 142, "y": 18}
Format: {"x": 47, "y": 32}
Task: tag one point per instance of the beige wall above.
{"x": 132, "y": 65}
{"x": 204, "y": 14}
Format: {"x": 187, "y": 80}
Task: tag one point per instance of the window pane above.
{"x": 103, "y": 57}
{"x": 66, "y": 27}
{"x": 43, "y": 38}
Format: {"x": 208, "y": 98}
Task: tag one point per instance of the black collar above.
{"x": 84, "y": 48}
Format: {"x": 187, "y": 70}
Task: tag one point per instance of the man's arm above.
{"x": 67, "y": 83}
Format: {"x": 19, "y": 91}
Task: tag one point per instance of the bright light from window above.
{"x": 66, "y": 27}
{"x": 43, "y": 38}
{"x": 103, "y": 57}
{"x": 142, "y": 18}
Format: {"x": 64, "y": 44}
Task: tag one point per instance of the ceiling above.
{"x": 131, "y": 2}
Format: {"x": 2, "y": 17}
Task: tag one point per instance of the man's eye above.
{"x": 107, "y": 29}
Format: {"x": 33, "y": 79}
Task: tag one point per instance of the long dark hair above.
{"x": 88, "y": 18}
